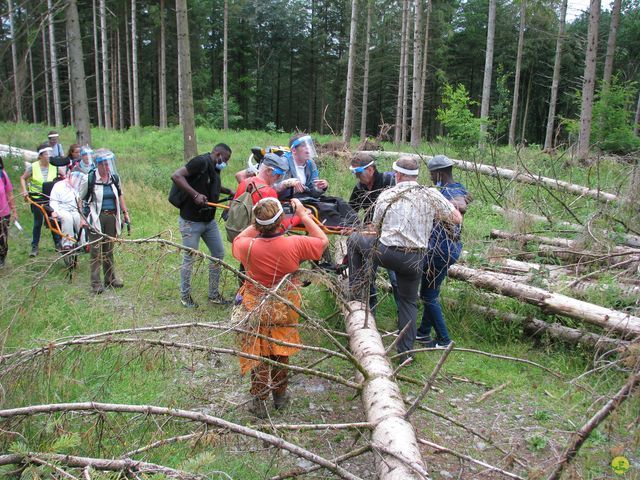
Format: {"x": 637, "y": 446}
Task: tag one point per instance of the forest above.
{"x": 296, "y": 65}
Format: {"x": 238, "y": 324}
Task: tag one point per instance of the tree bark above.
{"x": 488, "y": 70}
{"x": 548, "y": 139}
{"x": 45, "y": 59}
{"x": 365, "y": 79}
{"x": 33, "y": 89}
{"x": 106, "y": 101}
{"x": 162, "y": 73}
{"x": 17, "y": 87}
{"x": 516, "y": 83}
{"x": 416, "y": 103}
{"x": 96, "y": 60}
{"x": 347, "y": 126}
{"x": 522, "y": 177}
{"x": 589, "y": 81}
{"x": 423, "y": 77}
{"x": 397, "y": 134}
{"x": 405, "y": 85}
{"x": 127, "y": 48}
{"x": 134, "y": 65}
{"x": 80, "y": 104}
{"x": 69, "y": 87}
{"x": 186, "y": 99}
{"x": 611, "y": 43}
{"x": 381, "y": 398}
{"x": 55, "y": 84}
{"x": 225, "y": 68}
{"x": 637, "y": 122}
{"x": 121, "y": 123}
{"x": 623, "y": 323}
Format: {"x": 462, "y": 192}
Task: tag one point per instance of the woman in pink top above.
{"x": 7, "y": 208}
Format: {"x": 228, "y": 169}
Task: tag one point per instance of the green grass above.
{"x": 39, "y": 306}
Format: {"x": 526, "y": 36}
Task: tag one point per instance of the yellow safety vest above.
{"x": 35, "y": 184}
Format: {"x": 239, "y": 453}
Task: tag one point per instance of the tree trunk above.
{"x": 516, "y": 83}
{"x": 423, "y": 77}
{"x": 405, "y": 84}
{"x": 548, "y": 139}
{"x": 120, "y": 85}
{"x": 611, "y": 43}
{"x": 397, "y": 134}
{"x": 488, "y": 68}
{"x": 606, "y": 318}
{"x": 162, "y": 73}
{"x": 127, "y": 48}
{"x": 17, "y": 87}
{"x": 525, "y": 114}
{"x": 45, "y": 58}
{"x": 33, "y": 89}
{"x": 382, "y": 399}
{"x": 637, "y": 122}
{"x": 96, "y": 60}
{"x": 225, "y": 68}
{"x": 347, "y": 126}
{"x": 416, "y": 103}
{"x": 134, "y": 65}
{"x": 589, "y": 81}
{"x": 55, "y": 84}
{"x": 523, "y": 177}
{"x": 80, "y": 104}
{"x": 70, "y": 88}
{"x": 186, "y": 100}
{"x": 365, "y": 80}
{"x": 106, "y": 101}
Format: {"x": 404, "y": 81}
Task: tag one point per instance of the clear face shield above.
{"x": 105, "y": 162}
{"x": 75, "y": 180}
{"x": 303, "y": 149}
{"x": 86, "y": 155}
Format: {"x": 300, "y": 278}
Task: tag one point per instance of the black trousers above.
{"x": 365, "y": 252}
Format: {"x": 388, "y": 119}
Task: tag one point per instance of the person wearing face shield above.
{"x": 35, "y": 178}
{"x": 85, "y": 165}
{"x": 200, "y": 181}
{"x": 103, "y": 191}
{"x": 66, "y": 205}
{"x": 304, "y": 178}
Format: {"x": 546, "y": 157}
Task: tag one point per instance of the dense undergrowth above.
{"x": 535, "y": 411}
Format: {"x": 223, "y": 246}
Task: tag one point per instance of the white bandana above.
{"x": 45, "y": 149}
{"x": 272, "y": 220}
{"x": 413, "y": 173}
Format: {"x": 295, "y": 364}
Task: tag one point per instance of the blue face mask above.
{"x": 221, "y": 166}
{"x": 438, "y": 183}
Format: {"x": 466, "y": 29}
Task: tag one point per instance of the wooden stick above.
{"x": 486, "y": 395}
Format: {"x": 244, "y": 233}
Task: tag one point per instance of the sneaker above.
{"x": 437, "y": 344}
{"x": 188, "y": 302}
{"x": 280, "y": 400}
{"x": 219, "y": 300}
{"x": 115, "y": 283}
{"x": 34, "y": 251}
{"x": 423, "y": 338}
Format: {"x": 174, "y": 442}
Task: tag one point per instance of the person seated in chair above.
{"x": 66, "y": 206}
{"x": 304, "y": 178}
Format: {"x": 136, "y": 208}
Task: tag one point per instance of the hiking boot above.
{"x": 2, "y": 261}
{"x": 281, "y": 400}
{"x": 34, "y": 251}
{"x": 219, "y": 300}
{"x": 58, "y": 246}
{"x": 97, "y": 289}
{"x": 115, "y": 283}
{"x": 258, "y": 408}
{"x": 188, "y": 302}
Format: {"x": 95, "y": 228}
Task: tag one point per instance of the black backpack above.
{"x": 177, "y": 196}
{"x": 91, "y": 183}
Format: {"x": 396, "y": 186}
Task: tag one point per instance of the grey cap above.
{"x": 275, "y": 161}
{"x": 438, "y": 162}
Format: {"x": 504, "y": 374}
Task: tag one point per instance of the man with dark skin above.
{"x": 200, "y": 180}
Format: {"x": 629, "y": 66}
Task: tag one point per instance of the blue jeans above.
{"x": 435, "y": 269}
{"x": 38, "y": 220}
{"x": 191, "y": 234}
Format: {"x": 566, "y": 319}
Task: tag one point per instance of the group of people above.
{"x": 78, "y": 191}
{"x": 411, "y": 230}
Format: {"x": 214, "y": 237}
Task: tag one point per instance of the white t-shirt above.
{"x": 300, "y": 173}
{"x": 63, "y": 197}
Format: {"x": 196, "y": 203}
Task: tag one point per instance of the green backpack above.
{"x": 240, "y": 213}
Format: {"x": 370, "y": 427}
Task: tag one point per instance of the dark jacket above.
{"x": 363, "y": 199}
{"x": 205, "y": 179}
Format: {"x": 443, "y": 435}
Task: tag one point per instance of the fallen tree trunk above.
{"x": 522, "y": 177}
{"x": 584, "y": 256}
{"x": 624, "y": 238}
{"x": 399, "y": 458}
{"x": 18, "y": 152}
{"x": 530, "y": 238}
{"x": 537, "y": 328}
{"x": 623, "y": 323}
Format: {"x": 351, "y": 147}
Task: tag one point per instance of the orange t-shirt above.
{"x": 261, "y": 190}
{"x": 272, "y": 258}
